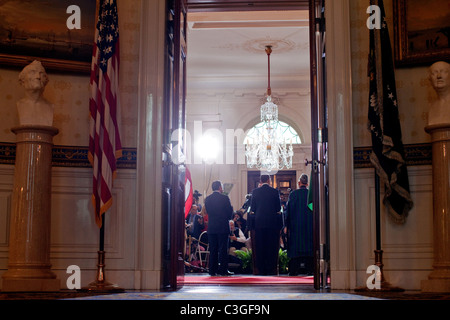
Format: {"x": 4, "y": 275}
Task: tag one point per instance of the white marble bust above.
{"x": 439, "y": 112}
{"x": 34, "y": 109}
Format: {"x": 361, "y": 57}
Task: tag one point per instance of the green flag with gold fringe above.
{"x": 388, "y": 156}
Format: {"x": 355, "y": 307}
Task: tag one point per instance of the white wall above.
{"x": 407, "y": 248}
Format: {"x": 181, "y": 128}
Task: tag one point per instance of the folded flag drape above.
{"x": 388, "y": 156}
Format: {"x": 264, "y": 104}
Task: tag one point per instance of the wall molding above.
{"x": 407, "y": 248}
{"x": 76, "y": 156}
{"x": 415, "y": 154}
{"x": 69, "y": 156}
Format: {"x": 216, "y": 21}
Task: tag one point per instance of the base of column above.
{"x": 31, "y": 285}
{"x": 435, "y": 285}
{"x": 30, "y": 277}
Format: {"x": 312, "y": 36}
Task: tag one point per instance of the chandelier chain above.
{"x": 270, "y": 152}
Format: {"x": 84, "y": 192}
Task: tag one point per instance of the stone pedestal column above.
{"x": 29, "y": 267}
{"x": 439, "y": 278}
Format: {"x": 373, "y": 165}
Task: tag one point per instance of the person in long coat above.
{"x": 299, "y": 230}
{"x": 220, "y": 211}
{"x": 267, "y": 224}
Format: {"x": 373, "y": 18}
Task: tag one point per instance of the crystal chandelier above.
{"x": 270, "y": 151}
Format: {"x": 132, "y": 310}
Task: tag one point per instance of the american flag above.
{"x": 188, "y": 194}
{"x": 104, "y": 139}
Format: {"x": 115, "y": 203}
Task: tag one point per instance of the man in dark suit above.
{"x": 266, "y": 207}
{"x": 219, "y": 210}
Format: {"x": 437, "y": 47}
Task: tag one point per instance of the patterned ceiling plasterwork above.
{"x": 258, "y": 45}
{"x": 278, "y": 45}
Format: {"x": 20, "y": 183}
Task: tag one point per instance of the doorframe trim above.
{"x": 341, "y": 172}
{"x": 149, "y": 243}
{"x": 241, "y": 5}
{"x": 339, "y": 95}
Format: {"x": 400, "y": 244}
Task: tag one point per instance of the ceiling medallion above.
{"x": 280, "y": 45}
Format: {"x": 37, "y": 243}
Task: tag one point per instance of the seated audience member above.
{"x": 237, "y": 242}
{"x": 196, "y": 196}
{"x": 240, "y": 222}
{"x": 237, "y": 238}
{"x": 194, "y": 223}
{"x": 204, "y": 214}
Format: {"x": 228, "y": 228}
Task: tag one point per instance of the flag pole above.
{"x": 385, "y": 286}
{"x": 378, "y": 252}
{"x": 377, "y": 211}
{"x": 100, "y": 284}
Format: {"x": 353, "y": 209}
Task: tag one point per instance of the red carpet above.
{"x": 248, "y": 279}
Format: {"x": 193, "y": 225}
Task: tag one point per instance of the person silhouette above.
{"x": 266, "y": 208}
{"x": 219, "y": 210}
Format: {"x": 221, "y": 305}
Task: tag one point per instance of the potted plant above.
{"x": 246, "y": 258}
{"x": 283, "y": 261}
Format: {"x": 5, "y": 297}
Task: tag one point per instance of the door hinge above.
{"x": 315, "y": 164}
{"x": 321, "y": 23}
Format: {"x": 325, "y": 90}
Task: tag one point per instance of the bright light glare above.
{"x": 208, "y": 147}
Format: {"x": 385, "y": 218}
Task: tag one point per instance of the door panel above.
{"x": 173, "y": 145}
{"x": 319, "y": 127}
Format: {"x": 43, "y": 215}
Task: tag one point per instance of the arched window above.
{"x": 283, "y": 130}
